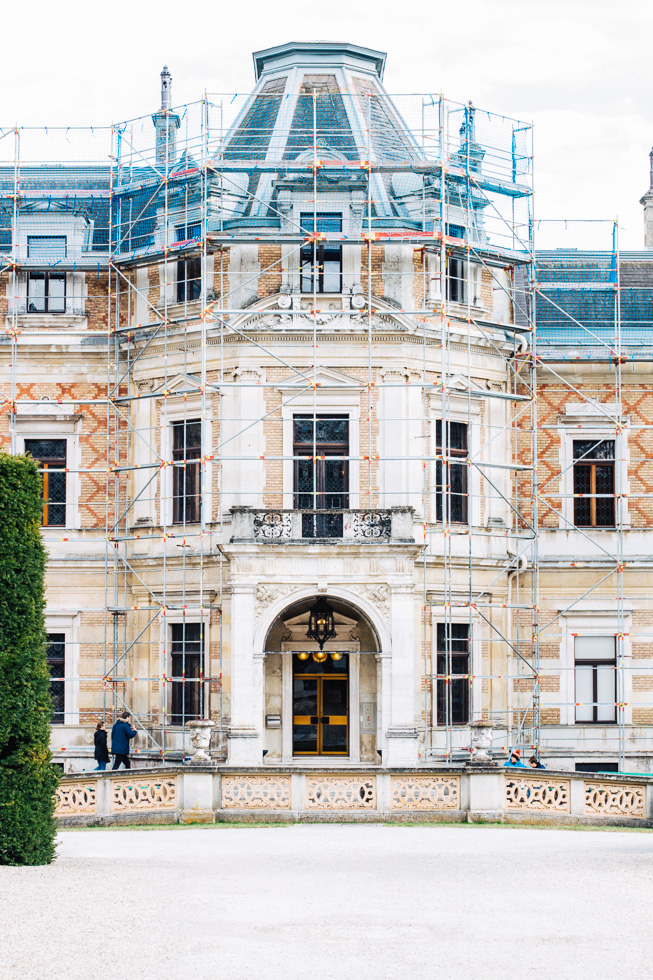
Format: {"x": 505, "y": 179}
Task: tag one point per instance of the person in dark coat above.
{"x": 121, "y": 733}
{"x": 101, "y": 752}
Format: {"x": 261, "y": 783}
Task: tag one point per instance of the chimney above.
{"x": 166, "y": 124}
{"x": 647, "y": 202}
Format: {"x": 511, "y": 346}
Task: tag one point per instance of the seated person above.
{"x": 535, "y": 763}
{"x": 515, "y": 760}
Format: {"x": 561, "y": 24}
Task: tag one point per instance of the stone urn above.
{"x": 481, "y": 735}
{"x": 201, "y": 740}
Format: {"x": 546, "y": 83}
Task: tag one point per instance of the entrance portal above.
{"x": 320, "y": 703}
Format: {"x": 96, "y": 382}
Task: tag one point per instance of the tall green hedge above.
{"x": 28, "y": 780}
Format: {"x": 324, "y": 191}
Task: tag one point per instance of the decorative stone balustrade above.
{"x": 359, "y": 526}
{"x": 474, "y": 793}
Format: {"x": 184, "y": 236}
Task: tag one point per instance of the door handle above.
{"x": 324, "y": 719}
{"x": 314, "y": 719}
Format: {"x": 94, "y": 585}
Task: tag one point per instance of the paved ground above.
{"x": 332, "y": 902}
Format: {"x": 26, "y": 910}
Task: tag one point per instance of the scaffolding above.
{"x": 212, "y": 228}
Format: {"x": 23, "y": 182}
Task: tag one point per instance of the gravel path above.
{"x": 332, "y": 902}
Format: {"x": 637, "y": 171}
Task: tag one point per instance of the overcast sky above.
{"x": 579, "y": 69}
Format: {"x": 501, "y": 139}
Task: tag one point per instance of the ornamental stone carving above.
{"x": 372, "y": 524}
{"x": 340, "y": 793}
{"x": 267, "y": 594}
{"x": 425, "y": 792}
{"x": 537, "y": 793}
{"x": 272, "y": 524}
{"x": 146, "y": 793}
{"x": 379, "y": 596}
{"x": 76, "y": 798}
{"x": 242, "y": 792}
{"x": 615, "y": 799}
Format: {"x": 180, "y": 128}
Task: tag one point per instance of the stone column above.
{"x": 402, "y": 732}
{"x": 245, "y": 735}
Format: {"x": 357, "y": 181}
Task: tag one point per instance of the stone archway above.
{"x": 352, "y": 657}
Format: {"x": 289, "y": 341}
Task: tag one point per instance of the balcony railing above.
{"x": 393, "y": 524}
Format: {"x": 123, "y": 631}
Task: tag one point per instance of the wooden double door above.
{"x": 320, "y": 705}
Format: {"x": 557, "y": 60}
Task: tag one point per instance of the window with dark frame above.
{"x": 50, "y": 454}
{"x": 453, "y": 673}
{"x": 594, "y": 482}
{"x": 186, "y": 476}
{"x": 596, "y": 767}
{"x": 451, "y": 498}
{"x": 189, "y": 279}
{"x": 187, "y": 673}
{"x": 595, "y": 674}
{"x": 46, "y": 292}
{"x": 56, "y": 656}
{"x": 456, "y": 280}
{"x": 321, "y": 262}
{"x": 321, "y": 478}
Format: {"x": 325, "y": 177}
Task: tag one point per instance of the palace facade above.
{"x": 333, "y": 459}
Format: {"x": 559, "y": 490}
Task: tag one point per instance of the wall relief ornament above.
{"x": 267, "y": 594}
{"x": 379, "y": 596}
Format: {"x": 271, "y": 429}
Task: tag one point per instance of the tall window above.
{"x": 451, "y": 473}
{"x": 453, "y": 661}
{"x": 321, "y": 262}
{"x": 186, "y": 481}
{"x": 189, "y": 279}
{"x": 56, "y": 654}
{"x": 594, "y": 479}
{"x": 50, "y": 454}
{"x": 321, "y": 481}
{"x": 596, "y": 679}
{"x": 456, "y": 280}
{"x": 46, "y": 292}
{"x": 187, "y": 700}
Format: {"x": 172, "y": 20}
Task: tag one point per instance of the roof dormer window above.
{"x": 321, "y": 262}
{"x": 49, "y": 248}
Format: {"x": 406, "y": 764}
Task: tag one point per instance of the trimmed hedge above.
{"x": 28, "y": 780}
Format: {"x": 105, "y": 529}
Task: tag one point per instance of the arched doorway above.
{"x": 321, "y": 704}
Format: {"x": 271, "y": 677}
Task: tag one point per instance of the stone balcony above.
{"x": 322, "y": 526}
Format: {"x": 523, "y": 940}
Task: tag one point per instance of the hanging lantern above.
{"x": 336, "y": 656}
{"x": 321, "y": 624}
{"x": 320, "y": 656}
{"x": 303, "y": 655}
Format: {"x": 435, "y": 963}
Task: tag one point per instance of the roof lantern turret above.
{"x": 309, "y": 54}
{"x": 166, "y": 89}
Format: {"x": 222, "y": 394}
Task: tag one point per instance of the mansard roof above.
{"x": 583, "y": 295}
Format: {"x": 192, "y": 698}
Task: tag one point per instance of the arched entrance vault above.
{"x": 321, "y": 705}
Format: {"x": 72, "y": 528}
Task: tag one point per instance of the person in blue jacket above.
{"x": 121, "y": 733}
{"x": 515, "y": 760}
